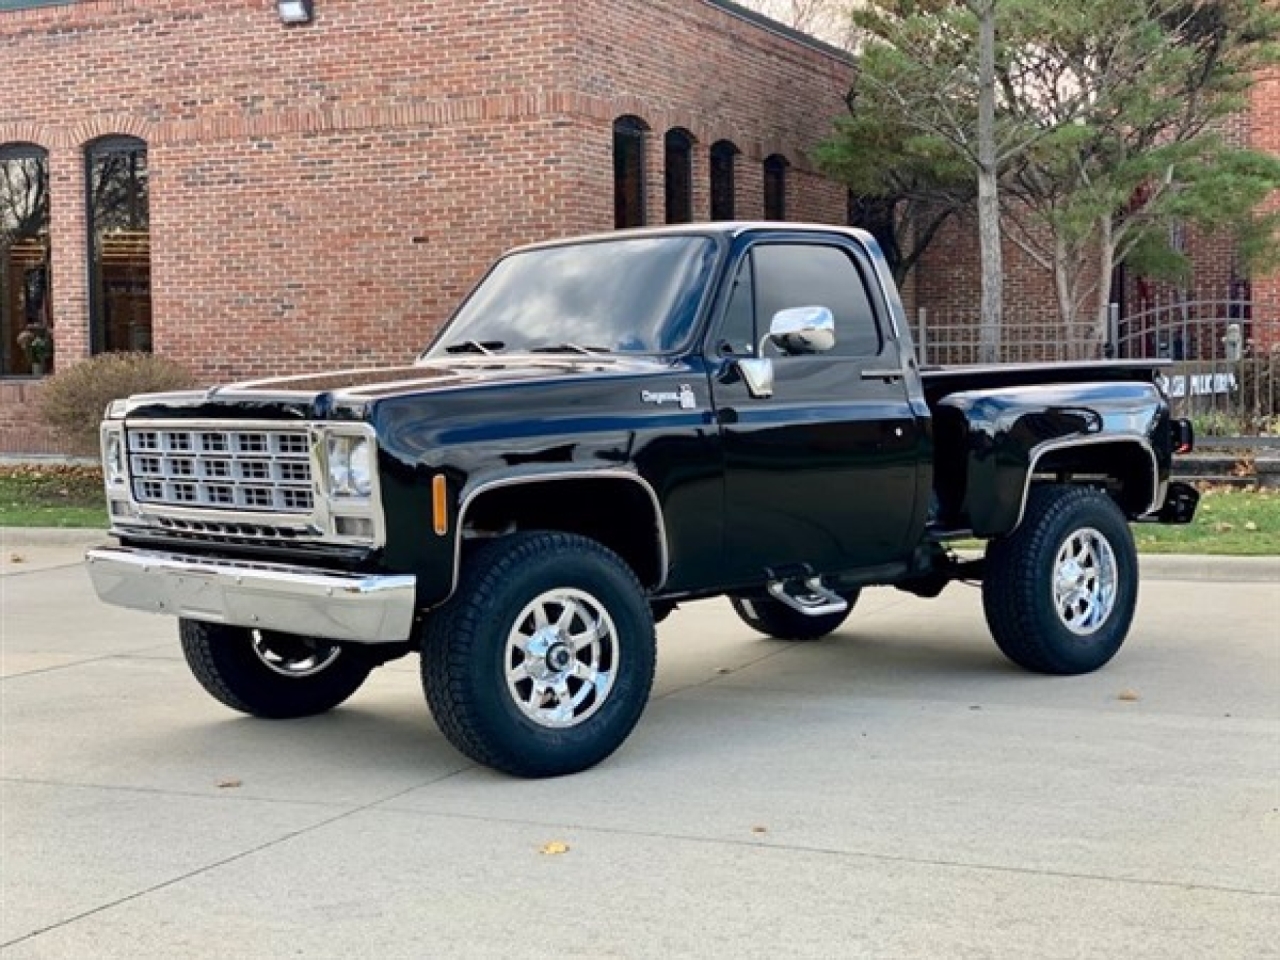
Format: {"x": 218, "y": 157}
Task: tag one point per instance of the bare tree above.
{"x": 24, "y": 197}
{"x": 828, "y": 20}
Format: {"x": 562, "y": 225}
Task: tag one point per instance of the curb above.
{"x": 52, "y": 536}
{"x": 1180, "y": 566}
{"x": 1154, "y": 566}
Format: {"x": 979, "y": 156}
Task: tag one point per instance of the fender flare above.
{"x": 472, "y": 492}
{"x": 1158, "y": 485}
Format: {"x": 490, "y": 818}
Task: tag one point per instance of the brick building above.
{"x": 250, "y": 196}
{"x": 1264, "y": 134}
{"x": 247, "y": 196}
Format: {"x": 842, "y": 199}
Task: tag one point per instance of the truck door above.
{"x": 825, "y": 471}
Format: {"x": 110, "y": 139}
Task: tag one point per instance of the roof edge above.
{"x": 780, "y": 29}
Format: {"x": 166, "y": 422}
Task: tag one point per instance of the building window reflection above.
{"x": 119, "y": 245}
{"x": 26, "y": 317}
{"x": 678, "y": 148}
{"x": 628, "y": 171}
{"x": 723, "y": 159}
{"x": 775, "y": 187}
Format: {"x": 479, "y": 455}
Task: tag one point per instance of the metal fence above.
{"x": 1225, "y": 355}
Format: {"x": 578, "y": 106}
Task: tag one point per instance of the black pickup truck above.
{"x": 609, "y": 426}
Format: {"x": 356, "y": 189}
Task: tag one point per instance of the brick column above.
{"x": 69, "y": 242}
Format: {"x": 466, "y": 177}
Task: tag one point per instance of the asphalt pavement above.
{"x": 897, "y": 790}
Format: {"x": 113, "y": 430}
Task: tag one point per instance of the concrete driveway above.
{"x": 897, "y": 790}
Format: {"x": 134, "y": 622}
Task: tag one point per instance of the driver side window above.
{"x": 777, "y": 276}
{"x": 808, "y": 275}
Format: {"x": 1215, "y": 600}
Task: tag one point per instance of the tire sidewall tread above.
{"x": 1017, "y": 591}
{"x": 223, "y": 661}
{"x": 464, "y": 642}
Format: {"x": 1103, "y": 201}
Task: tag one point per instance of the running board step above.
{"x": 818, "y": 601}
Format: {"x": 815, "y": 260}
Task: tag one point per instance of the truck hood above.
{"x": 347, "y": 393}
{"x": 374, "y": 383}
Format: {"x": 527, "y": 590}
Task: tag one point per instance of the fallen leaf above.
{"x": 759, "y": 829}
{"x": 1251, "y": 527}
{"x": 1223, "y": 527}
{"x": 554, "y": 848}
{"x": 1128, "y": 695}
{"x": 15, "y": 558}
{"x": 229, "y": 784}
{"x": 724, "y": 670}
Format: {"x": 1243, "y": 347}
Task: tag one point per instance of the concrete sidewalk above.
{"x": 895, "y": 791}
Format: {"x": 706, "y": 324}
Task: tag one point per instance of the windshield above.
{"x": 635, "y": 295}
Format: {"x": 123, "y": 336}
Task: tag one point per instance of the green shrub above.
{"x": 73, "y": 401}
{"x": 1217, "y": 423}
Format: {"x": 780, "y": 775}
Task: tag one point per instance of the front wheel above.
{"x": 1060, "y": 591}
{"x": 542, "y": 662}
{"x": 267, "y": 674}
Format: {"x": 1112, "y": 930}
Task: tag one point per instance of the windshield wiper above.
{"x": 486, "y": 347}
{"x": 570, "y": 348}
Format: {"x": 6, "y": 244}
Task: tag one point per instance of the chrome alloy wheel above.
{"x": 294, "y": 656}
{"x": 561, "y": 658}
{"x": 1085, "y": 579}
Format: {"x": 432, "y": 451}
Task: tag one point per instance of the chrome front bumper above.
{"x": 267, "y": 596}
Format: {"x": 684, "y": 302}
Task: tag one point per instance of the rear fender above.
{"x": 1000, "y": 441}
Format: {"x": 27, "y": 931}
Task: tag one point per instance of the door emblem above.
{"x": 684, "y": 397}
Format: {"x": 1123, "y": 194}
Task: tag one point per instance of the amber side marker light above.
{"x": 440, "y": 505}
{"x": 1184, "y": 436}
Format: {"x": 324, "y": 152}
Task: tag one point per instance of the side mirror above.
{"x": 802, "y": 330}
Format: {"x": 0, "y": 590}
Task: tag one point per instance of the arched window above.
{"x": 26, "y": 319}
{"x": 119, "y": 245}
{"x": 678, "y": 153}
{"x": 723, "y": 158}
{"x": 628, "y": 171}
{"x": 775, "y": 187}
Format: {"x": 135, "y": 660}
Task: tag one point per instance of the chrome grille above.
{"x": 267, "y": 471}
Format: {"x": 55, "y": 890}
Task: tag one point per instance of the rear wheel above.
{"x": 1060, "y": 591}
{"x": 269, "y": 674}
{"x": 775, "y": 619}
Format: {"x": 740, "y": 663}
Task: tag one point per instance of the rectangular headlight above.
{"x": 114, "y": 458}
{"x": 350, "y": 466}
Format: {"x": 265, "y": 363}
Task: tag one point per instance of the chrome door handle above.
{"x": 881, "y": 374}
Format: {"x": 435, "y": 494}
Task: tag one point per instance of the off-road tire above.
{"x": 225, "y": 662}
{"x": 775, "y": 619}
{"x": 1028, "y": 587}
{"x": 466, "y": 649}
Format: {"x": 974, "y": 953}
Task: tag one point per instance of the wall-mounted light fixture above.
{"x": 295, "y": 11}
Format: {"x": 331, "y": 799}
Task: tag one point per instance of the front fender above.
{"x": 998, "y": 440}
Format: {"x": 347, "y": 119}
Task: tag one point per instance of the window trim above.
{"x": 23, "y": 150}
{"x": 881, "y": 313}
